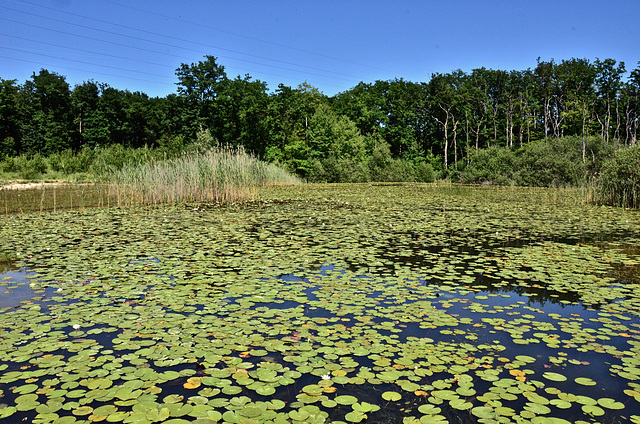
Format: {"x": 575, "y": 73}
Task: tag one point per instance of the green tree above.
{"x": 608, "y": 82}
{"x": 9, "y": 118}
{"x": 404, "y": 107}
{"x": 291, "y": 111}
{"x": 113, "y": 107}
{"x": 47, "y": 114}
{"x": 242, "y": 112}
{"x": 577, "y": 77}
{"x": 200, "y": 84}
{"x": 90, "y": 121}
{"x": 366, "y": 105}
{"x": 631, "y": 101}
{"x": 447, "y": 110}
{"x": 141, "y": 122}
{"x": 334, "y": 135}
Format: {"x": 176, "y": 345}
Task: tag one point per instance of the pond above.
{"x": 325, "y": 303}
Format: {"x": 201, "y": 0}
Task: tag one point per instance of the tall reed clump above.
{"x": 221, "y": 175}
{"x": 619, "y": 181}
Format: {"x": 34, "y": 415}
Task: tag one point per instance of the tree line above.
{"x": 394, "y": 124}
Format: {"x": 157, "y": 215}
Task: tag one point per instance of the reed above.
{"x": 221, "y": 175}
{"x": 619, "y": 182}
{"x": 44, "y": 197}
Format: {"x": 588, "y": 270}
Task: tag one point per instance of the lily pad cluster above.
{"x": 323, "y": 304}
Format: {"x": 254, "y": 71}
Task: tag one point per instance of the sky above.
{"x": 333, "y": 45}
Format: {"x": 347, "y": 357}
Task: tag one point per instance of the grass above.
{"x": 619, "y": 184}
{"x": 54, "y": 196}
{"x": 222, "y": 175}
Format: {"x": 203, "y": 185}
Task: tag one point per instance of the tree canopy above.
{"x": 442, "y": 121}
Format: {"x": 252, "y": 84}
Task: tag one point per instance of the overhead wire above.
{"x": 40, "y": 63}
{"x": 165, "y": 36}
{"x": 243, "y": 36}
{"x": 115, "y": 43}
{"x": 84, "y": 50}
{"x": 82, "y": 61}
{"x": 98, "y": 53}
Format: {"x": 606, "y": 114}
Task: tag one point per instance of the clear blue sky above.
{"x": 333, "y": 45}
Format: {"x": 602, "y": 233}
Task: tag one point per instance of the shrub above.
{"x": 598, "y": 151}
{"x": 115, "y": 157}
{"x": 27, "y": 167}
{"x": 9, "y": 164}
{"x": 333, "y": 170}
{"x": 495, "y": 165}
{"x": 552, "y": 163}
{"x": 380, "y": 163}
{"x": 424, "y": 172}
{"x": 67, "y": 162}
{"x": 619, "y": 181}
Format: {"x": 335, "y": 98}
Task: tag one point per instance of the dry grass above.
{"x": 222, "y": 175}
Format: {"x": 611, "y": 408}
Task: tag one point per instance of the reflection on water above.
{"x": 16, "y": 289}
{"x": 56, "y": 196}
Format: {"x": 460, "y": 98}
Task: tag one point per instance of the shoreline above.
{"x": 32, "y": 185}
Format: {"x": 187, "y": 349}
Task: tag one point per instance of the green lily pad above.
{"x": 594, "y": 410}
{"x": 7, "y": 411}
{"x": 298, "y": 415}
{"x": 585, "y": 381}
{"x": 391, "y": 396}
{"x": 610, "y": 403}
{"x": 355, "y": 416}
{"x": 265, "y": 390}
{"x": 428, "y": 409}
{"x": 554, "y": 376}
{"x": 346, "y": 400}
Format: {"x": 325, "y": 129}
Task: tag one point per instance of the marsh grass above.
{"x": 221, "y": 175}
{"x": 619, "y": 183}
{"x": 557, "y": 196}
{"x": 44, "y": 197}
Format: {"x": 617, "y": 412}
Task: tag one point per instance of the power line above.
{"x": 207, "y": 27}
{"x": 83, "y": 70}
{"x": 99, "y": 53}
{"x": 40, "y": 63}
{"x": 164, "y": 53}
{"x": 86, "y": 51}
{"x": 245, "y": 36}
{"x": 83, "y": 62}
{"x": 161, "y": 35}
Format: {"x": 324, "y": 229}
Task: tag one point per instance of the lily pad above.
{"x": 391, "y": 396}
{"x": 553, "y": 376}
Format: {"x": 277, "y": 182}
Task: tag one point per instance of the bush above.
{"x": 495, "y": 165}
{"x": 67, "y": 162}
{"x": 553, "y": 163}
{"x": 116, "y": 157}
{"x": 598, "y": 151}
{"x": 379, "y": 167}
{"x": 8, "y": 165}
{"x": 619, "y": 181}
{"x": 333, "y": 170}
{"x": 556, "y": 162}
{"x": 424, "y": 172}
{"x": 27, "y": 167}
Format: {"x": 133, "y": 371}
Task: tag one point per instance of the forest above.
{"x": 555, "y": 124}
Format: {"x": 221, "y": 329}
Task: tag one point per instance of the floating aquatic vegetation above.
{"x": 329, "y": 304}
